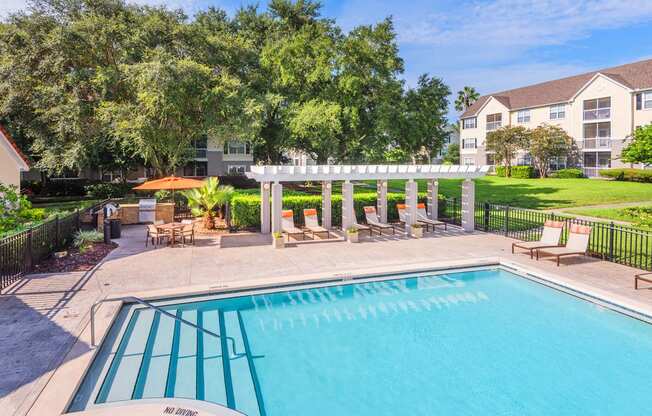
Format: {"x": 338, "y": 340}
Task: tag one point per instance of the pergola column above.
{"x": 277, "y": 206}
{"x": 326, "y": 210}
{"x": 348, "y": 212}
{"x": 468, "y": 205}
{"x": 433, "y": 199}
{"x": 381, "y": 199}
{"x": 411, "y": 204}
{"x": 265, "y": 209}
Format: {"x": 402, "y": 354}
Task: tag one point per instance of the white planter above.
{"x": 353, "y": 237}
{"x": 417, "y": 232}
{"x": 278, "y": 242}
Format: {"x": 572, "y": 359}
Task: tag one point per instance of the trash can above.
{"x": 116, "y": 227}
{"x": 107, "y": 232}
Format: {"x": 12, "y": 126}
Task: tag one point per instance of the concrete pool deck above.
{"x": 43, "y": 315}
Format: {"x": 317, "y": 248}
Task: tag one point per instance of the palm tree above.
{"x": 203, "y": 201}
{"x": 465, "y": 98}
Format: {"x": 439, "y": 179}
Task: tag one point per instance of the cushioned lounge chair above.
{"x": 312, "y": 223}
{"x": 287, "y": 225}
{"x": 374, "y": 222}
{"x": 422, "y": 217}
{"x": 549, "y": 238}
{"x": 577, "y": 244}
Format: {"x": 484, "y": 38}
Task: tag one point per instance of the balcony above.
{"x": 597, "y": 114}
{"x": 594, "y": 143}
{"x": 200, "y": 153}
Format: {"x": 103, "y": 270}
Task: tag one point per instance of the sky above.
{"x": 492, "y": 45}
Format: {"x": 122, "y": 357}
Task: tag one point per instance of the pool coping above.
{"x": 59, "y": 391}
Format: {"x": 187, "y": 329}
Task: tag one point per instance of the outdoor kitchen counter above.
{"x": 128, "y": 213}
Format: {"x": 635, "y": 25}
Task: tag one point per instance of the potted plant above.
{"x": 416, "y": 230}
{"x": 277, "y": 240}
{"x": 352, "y": 235}
{"x": 203, "y": 201}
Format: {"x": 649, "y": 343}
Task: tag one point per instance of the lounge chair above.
{"x": 644, "y": 277}
{"x": 422, "y": 217}
{"x": 312, "y": 223}
{"x": 577, "y": 244}
{"x": 549, "y": 238}
{"x": 360, "y": 227}
{"x": 374, "y": 222}
{"x": 287, "y": 225}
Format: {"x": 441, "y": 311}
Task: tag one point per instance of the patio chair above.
{"x": 312, "y": 223}
{"x": 155, "y": 235}
{"x": 287, "y": 225}
{"x": 374, "y": 222}
{"x": 577, "y": 244}
{"x": 359, "y": 227}
{"x": 188, "y": 232}
{"x": 549, "y": 238}
{"x": 422, "y": 217}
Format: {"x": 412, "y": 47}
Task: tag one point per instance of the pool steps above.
{"x": 161, "y": 357}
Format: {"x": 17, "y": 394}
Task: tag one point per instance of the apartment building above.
{"x": 599, "y": 109}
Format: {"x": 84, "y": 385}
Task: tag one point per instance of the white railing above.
{"x": 597, "y": 114}
{"x": 595, "y": 143}
{"x": 494, "y": 125}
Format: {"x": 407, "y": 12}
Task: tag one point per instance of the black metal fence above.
{"x": 20, "y": 252}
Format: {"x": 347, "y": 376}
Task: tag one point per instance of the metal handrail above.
{"x": 156, "y": 308}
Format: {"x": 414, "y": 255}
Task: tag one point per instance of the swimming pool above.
{"x": 468, "y": 343}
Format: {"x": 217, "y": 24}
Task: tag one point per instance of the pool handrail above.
{"x": 135, "y": 299}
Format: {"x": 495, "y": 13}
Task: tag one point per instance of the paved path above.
{"x": 42, "y": 315}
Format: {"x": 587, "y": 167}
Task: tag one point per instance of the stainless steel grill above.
{"x": 147, "y": 210}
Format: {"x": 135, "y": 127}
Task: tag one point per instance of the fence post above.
{"x": 78, "y": 221}
{"x": 506, "y": 220}
{"x": 29, "y": 256}
{"x": 57, "y": 241}
{"x": 487, "y": 216}
{"x": 611, "y": 241}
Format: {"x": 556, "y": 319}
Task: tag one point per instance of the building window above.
{"x": 597, "y": 135}
{"x": 199, "y": 147}
{"x": 469, "y": 143}
{"x": 468, "y": 161}
{"x": 196, "y": 169}
{"x": 644, "y": 100}
{"x": 236, "y": 169}
{"x": 597, "y": 109}
{"x": 494, "y": 121}
{"x": 66, "y": 174}
{"x": 524, "y": 160}
{"x": 490, "y": 158}
{"x": 558, "y": 112}
{"x": 557, "y": 163}
{"x": 110, "y": 176}
{"x": 470, "y": 123}
{"x": 237, "y": 148}
{"x": 150, "y": 172}
{"x": 523, "y": 116}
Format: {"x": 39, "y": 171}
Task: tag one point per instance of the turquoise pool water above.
{"x": 468, "y": 343}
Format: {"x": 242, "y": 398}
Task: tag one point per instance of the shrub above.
{"x": 245, "y": 209}
{"x": 16, "y": 210}
{"x": 642, "y": 214}
{"x": 106, "y": 190}
{"x": 64, "y": 187}
{"x": 570, "y": 173}
{"x": 519, "y": 172}
{"x": 626, "y": 174}
{"x": 85, "y": 239}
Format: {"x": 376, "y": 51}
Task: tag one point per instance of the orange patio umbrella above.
{"x": 170, "y": 183}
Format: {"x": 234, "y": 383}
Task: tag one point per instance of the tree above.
{"x": 505, "y": 142}
{"x": 452, "y": 155}
{"x": 203, "y": 201}
{"x": 422, "y": 124}
{"x": 315, "y": 127}
{"x": 548, "y": 142}
{"x": 639, "y": 150}
{"x": 465, "y": 98}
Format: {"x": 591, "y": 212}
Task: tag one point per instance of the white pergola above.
{"x": 270, "y": 178}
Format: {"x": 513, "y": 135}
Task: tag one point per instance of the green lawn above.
{"x": 62, "y": 208}
{"x": 616, "y": 214}
{"x": 545, "y": 193}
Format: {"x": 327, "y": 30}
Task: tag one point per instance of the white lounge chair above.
{"x": 287, "y": 225}
{"x": 312, "y": 223}
{"x": 374, "y": 222}
{"x": 422, "y": 217}
{"x": 577, "y": 244}
{"x": 549, "y": 238}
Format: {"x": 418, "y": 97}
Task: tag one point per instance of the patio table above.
{"x": 172, "y": 228}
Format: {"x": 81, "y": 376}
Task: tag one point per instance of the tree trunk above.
{"x": 209, "y": 220}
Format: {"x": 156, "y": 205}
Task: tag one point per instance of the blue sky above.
{"x": 490, "y": 44}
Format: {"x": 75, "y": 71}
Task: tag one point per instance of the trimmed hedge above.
{"x": 626, "y": 174}
{"x": 245, "y": 209}
{"x": 518, "y": 172}
{"x": 106, "y": 190}
{"x": 570, "y": 173}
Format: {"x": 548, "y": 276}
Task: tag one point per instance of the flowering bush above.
{"x": 15, "y": 209}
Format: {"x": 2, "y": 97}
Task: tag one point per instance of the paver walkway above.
{"x": 42, "y": 315}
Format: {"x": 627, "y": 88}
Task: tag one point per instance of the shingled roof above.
{"x": 637, "y": 75}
